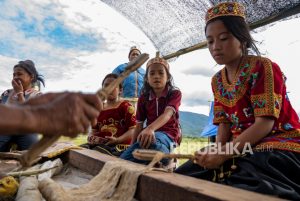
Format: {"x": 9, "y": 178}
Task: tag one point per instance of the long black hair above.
{"x": 240, "y": 29}
{"x": 147, "y": 88}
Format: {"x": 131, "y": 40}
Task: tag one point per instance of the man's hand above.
{"x": 64, "y": 113}
{"x": 209, "y": 161}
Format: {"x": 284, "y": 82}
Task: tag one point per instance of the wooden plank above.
{"x": 89, "y": 161}
{"x": 159, "y": 186}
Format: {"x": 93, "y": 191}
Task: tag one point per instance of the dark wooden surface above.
{"x": 159, "y": 186}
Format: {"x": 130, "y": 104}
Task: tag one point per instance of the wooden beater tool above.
{"x": 148, "y": 155}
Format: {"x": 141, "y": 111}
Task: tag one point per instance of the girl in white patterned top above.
{"x": 25, "y": 76}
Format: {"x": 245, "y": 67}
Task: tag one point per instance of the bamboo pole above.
{"x": 186, "y": 50}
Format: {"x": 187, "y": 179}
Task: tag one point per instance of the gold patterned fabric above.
{"x": 113, "y": 122}
{"x": 158, "y": 60}
{"x": 225, "y": 9}
{"x": 258, "y": 90}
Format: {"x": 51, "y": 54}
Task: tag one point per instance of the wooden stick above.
{"x": 33, "y": 153}
{"x": 186, "y": 50}
{"x": 10, "y": 155}
{"x": 148, "y": 155}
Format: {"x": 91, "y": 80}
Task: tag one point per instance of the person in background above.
{"x": 116, "y": 123}
{"x": 133, "y": 84}
{"x": 252, "y": 110}
{"x": 158, "y": 105}
{"x": 24, "y": 77}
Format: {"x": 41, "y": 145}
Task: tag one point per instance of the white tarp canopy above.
{"x": 177, "y": 24}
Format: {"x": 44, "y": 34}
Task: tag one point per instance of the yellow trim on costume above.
{"x": 269, "y": 95}
{"x": 287, "y": 145}
{"x": 131, "y": 109}
{"x": 290, "y": 134}
{"x": 269, "y": 108}
{"x": 251, "y": 60}
{"x": 221, "y": 119}
{"x": 121, "y": 147}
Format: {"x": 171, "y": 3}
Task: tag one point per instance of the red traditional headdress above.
{"x": 225, "y": 9}
{"x": 158, "y": 60}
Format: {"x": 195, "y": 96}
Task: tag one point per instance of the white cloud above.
{"x": 6, "y": 67}
{"x": 198, "y": 70}
{"x": 68, "y": 69}
{"x": 197, "y": 98}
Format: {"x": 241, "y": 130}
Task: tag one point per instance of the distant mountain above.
{"x": 192, "y": 124}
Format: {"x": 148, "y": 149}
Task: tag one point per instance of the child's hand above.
{"x": 209, "y": 161}
{"x": 111, "y": 140}
{"x": 17, "y": 85}
{"x": 146, "y": 138}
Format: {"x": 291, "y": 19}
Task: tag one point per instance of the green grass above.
{"x": 80, "y": 139}
{"x": 189, "y": 146}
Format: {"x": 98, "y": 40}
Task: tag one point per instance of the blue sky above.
{"x": 51, "y": 30}
{"x": 76, "y": 43}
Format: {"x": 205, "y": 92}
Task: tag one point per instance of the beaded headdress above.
{"x": 225, "y": 9}
{"x": 158, "y": 60}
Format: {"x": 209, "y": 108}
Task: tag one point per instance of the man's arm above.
{"x": 52, "y": 114}
{"x": 12, "y": 120}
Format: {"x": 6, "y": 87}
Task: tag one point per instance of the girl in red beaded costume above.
{"x": 116, "y": 123}
{"x": 252, "y": 108}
